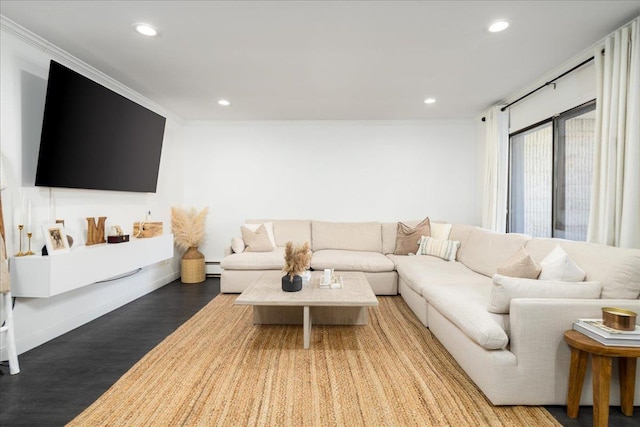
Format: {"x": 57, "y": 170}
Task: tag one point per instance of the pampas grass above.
{"x": 296, "y": 259}
{"x": 188, "y": 227}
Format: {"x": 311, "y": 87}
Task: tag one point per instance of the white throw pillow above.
{"x": 441, "y": 231}
{"x": 237, "y": 245}
{"x": 506, "y": 288}
{"x": 558, "y": 266}
{"x": 445, "y": 249}
{"x": 268, "y": 226}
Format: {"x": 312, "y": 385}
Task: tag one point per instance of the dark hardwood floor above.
{"x": 62, "y": 377}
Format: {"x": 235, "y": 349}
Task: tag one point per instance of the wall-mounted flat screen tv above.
{"x": 94, "y": 138}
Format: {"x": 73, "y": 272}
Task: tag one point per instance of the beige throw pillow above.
{"x": 268, "y": 226}
{"x": 408, "y": 238}
{"x": 520, "y": 264}
{"x": 257, "y": 241}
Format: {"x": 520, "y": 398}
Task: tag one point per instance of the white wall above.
{"x": 335, "y": 171}
{"x": 24, "y": 63}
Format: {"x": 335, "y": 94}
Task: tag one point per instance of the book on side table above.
{"x": 595, "y": 329}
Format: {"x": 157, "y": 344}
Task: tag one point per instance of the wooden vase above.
{"x": 192, "y": 266}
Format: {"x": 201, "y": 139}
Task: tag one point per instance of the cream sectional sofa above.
{"x": 517, "y": 358}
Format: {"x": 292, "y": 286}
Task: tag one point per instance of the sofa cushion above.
{"x": 460, "y": 233}
{"x": 458, "y": 293}
{"x": 506, "y": 288}
{"x": 256, "y": 240}
{"x": 389, "y": 233}
{"x": 465, "y": 305}
{"x": 484, "y": 250}
{"x": 520, "y": 264}
{"x": 408, "y": 238}
{"x": 559, "y": 266}
{"x": 350, "y": 236}
{"x": 341, "y": 260}
{"x": 420, "y": 272}
{"x": 617, "y": 269}
{"x": 273, "y": 260}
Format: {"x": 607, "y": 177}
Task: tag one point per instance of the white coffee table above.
{"x": 345, "y": 306}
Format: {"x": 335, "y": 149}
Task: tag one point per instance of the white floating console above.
{"x": 45, "y": 276}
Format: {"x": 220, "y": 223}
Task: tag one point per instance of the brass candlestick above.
{"x": 29, "y": 235}
{"x": 20, "y": 253}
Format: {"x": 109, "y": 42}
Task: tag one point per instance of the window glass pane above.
{"x": 575, "y": 166}
{"x": 531, "y": 182}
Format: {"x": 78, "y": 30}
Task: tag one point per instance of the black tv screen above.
{"x": 94, "y": 138}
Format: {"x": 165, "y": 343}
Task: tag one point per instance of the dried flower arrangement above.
{"x": 296, "y": 259}
{"x": 188, "y": 226}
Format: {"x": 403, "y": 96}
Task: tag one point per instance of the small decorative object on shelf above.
{"x": 296, "y": 262}
{"x": 116, "y": 235}
{"x": 69, "y": 238}
{"x": 95, "y": 233}
{"x": 145, "y": 229}
{"x": 619, "y": 318}
{"x": 188, "y": 228}
{"x": 20, "y": 253}
{"x": 29, "y": 251}
{"x": 55, "y": 239}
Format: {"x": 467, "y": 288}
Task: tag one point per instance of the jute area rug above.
{"x": 218, "y": 369}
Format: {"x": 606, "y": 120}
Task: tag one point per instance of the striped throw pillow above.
{"x": 445, "y": 249}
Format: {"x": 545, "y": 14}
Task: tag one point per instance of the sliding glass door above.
{"x": 550, "y": 172}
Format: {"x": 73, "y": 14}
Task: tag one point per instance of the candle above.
{"x": 21, "y": 220}
{"x": 29, "y": 218}
{"x": 327, "y": 276}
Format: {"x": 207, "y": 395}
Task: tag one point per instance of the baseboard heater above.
{"x": 212, "y": 268}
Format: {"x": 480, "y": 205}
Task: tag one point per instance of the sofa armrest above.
{"x": 537, "y": 325}
{"x": 227, "y": 250}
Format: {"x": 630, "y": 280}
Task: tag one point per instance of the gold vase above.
{"x": 192, "y": 266}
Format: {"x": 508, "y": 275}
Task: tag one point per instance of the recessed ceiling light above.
{"x": 498, "y": 26}
{"x": 145, "y": 29}
{"x": 430, "y": 101}
{"x": 224, "y": 102}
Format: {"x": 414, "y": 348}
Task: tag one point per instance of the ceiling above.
{"x": 323, "y": 60}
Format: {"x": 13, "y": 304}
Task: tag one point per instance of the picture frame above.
{"x": 55, "y": 238}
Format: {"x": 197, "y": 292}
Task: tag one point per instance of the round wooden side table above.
{"x": 601, "y": 357}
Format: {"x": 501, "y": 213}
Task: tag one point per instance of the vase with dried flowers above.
{"x": 296, "y": 261}
{"x": 188, "y": 226}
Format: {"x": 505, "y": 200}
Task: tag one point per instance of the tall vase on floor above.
{"x": 188, "y": 231}
{"x": 192, "y": 266}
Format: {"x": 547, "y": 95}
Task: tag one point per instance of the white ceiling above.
{"x": 323, "y": 60}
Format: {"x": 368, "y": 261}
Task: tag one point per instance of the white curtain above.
{"x": 615, "y": 198}
{"x": 494, "y": 201}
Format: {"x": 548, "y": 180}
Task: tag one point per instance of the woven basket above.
{"x": 192, "y": 266}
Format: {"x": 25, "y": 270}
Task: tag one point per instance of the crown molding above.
{"x": 80, "y": 66}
